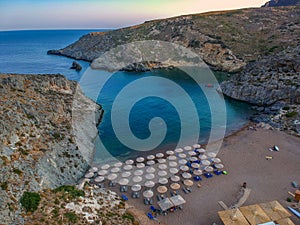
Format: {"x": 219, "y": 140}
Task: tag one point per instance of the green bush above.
{"x": 72, "y": 217}
{"x": 291, "y": 114}
{"x": 4, "y": 186}
{"x": 71, "y": 190}
{"x": 30, "y": 201}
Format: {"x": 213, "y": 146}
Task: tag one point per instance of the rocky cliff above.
{"x": 41, "y": 123}
{"x": 274, "y": 3}
{"x": 225, "y": 40}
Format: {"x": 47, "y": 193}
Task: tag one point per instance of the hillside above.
{"x": 225, "y": 40}
{"x": 42, "y": 119}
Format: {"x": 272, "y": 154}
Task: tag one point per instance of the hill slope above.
{"x": 225, "y": 40}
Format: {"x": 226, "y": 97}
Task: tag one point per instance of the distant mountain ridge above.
{"x": 274, "y": 3}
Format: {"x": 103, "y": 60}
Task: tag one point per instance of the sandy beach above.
{"x": 243, "y": 155}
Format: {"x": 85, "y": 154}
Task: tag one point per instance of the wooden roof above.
{"x": 285, "y": 221}
{"x": 275, "y": 210}
{"x": 233, "y": 217}
{"x": 255, "y": 214}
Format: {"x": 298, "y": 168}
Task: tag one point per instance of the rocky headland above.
{"x": 276, "y": 3}
{"x": 42, "y": 120}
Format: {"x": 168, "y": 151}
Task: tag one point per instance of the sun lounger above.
{"x": 150, "y": 216}
{"x": 151, "y": 201}
{"x": 185, "y": 190}
{"x": 217, "y": 172}
{"x": 208, "y": 175}
{"x": 159, "y": 198}
{"x": 146, "y": 202}
{"x": 197, "y": 178}
{"x": 124, "y": 197}
{"x": 153, "y": 208}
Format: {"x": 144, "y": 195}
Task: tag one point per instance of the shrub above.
{"x": 30, "y": 201}
{"x": 286, "y": 108}
{"x": 4, "y": 186}
{"x": 17, "y": 171}
{"x": 128, "y": 216}
{"x": 291, "y": 114}
{"x": 72, "y": 217}
{"x": 71, "y": 190}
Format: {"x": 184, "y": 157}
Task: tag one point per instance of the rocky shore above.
{"x": 272, "y": 85}
{"x": 41, "y": 123}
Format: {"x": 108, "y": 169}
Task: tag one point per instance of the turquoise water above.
{"x": 25, "y": 52}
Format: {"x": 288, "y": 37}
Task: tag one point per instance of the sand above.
{"x": 243, "y": 154}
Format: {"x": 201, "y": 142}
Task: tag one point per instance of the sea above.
{"x": 143, "y": 111}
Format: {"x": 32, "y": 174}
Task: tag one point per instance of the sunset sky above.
{"x": 56, "y": 14}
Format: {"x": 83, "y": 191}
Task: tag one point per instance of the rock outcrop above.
{"x": 76, "y": 66}
{"x": 40, "y": 141}
{"x": 274, "y": 3}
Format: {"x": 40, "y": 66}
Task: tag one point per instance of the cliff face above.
{"x": 274, "y": 3}
{"x": 268, "y": 80}
{"x": 40, "y": 121}
{"x": 225, "y": 40}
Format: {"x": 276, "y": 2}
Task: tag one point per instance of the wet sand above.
{"x": 243, "y": 155}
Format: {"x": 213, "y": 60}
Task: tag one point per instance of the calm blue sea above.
{"x": 26, "y": 52}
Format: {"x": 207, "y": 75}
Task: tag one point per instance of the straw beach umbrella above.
{"x": 129, "y": 162}
{"x": 159, "y": 155}
{"x": 150, "y": 157}
{"x": 186, "y": 175}
{"x": 201, "y": 150}
{"x": 173, "y": 164}
{"x": 182, "y": 161}
{"x": 161, "y": 160}
{"x": 162, "y": 166}
{"x": 187, "y": 148}
{"x": 150, "y": 170}
{"x": 123, "y": 181}
{"x": 195, "y": 165}
{"x": 205, "y": 162}
{"x": 138, "y": 172}
{"x": 178, "y": 150}
{"x": 211, "y": 154}
{"x": 202, "y": 157}
{"x": 208, "y": 169}
{"x": 105, "y": 167}
{"x": 150, "y": 162}
{"x": 99, "y": 179}
{"x": 115, "y": 169}
{"x": 148, "y": 194}
{"x": 169, "y": 152}
{"x": 196, "y": 146}
{"x": 149, "y": 176}
{"x": 275, "y": 210}
{"x": 149, "y": 184}
{"x": 255, "y": 214}
{"x": 175, "y": 178}
{"x": 216, "y": 160}
{"x": 173, "y": 170}
{"x": 112, "y": 176}
{"x": 118, "y": 164}
{"x": 188, "y": 183}
{"x": 182, "y": 155}
{"x": 126, "y": 174}
{"x": 140, "y": 165}
{"x": 102, "y": 172}
{"x": 163, "y": 180}
{"x": 137, "y": 179}
{"x": 162, "y": 173}
{"x": 184, "y": 168}
{"x": 162, "y": 189}
{"x": 136, "y": 187}
{"x": 140, "y": 159}
{"x": 89, "y": 175}
{"x": 197, "y": 172}
{"x": 172, "y": 157}
{"x": 128, "y": 167}
{"x": 93, "y": 169}
{"x": 175, "y": 186}
{"x": 219, "y": 166}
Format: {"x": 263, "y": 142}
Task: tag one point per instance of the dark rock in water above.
{"x": 274, "y": 3}
{"x": 76, "y": 66}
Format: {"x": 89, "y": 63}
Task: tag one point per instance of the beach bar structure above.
{"x": 264, "y": 213}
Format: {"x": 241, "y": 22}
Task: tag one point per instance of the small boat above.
{"x": 209, "y": 85}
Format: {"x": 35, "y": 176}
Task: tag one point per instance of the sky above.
{"x": 69, "y": 14}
